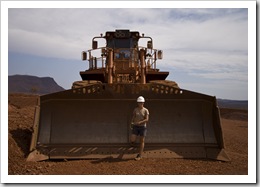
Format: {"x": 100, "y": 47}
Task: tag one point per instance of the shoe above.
{"x": 138, "y": 157}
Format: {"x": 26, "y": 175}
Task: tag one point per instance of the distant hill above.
{"x": 44, "y": 85}
{"x": 32, "y": 84}
{"x": 236, "y": 104}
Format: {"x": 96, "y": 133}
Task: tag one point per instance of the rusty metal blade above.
{"x": 100, "y": 115}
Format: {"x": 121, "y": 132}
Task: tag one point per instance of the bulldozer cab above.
{"x": 127, "y": 59}
{"x": 92, "y": 119}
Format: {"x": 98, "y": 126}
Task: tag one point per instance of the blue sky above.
{"x": 205, "y": 49}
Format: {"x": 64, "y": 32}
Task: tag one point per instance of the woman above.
{"x": 139, "y": 123}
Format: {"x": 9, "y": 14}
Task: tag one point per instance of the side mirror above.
{"x": 84, "y": 55}
{"x": 94, "y": 45}
{"x": 150, "y": 45}
{"x": 160, "y": 54}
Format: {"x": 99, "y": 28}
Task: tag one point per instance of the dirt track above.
{"x": 20, "y": 120}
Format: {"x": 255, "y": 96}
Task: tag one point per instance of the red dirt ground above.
{"x": 20, "y": 121}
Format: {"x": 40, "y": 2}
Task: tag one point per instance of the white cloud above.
{"x": 42, "y": 45}
{"x": 78, "y": 26}
{"x": 204, "y": 43}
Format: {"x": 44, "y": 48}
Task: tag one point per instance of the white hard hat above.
{"x": 140, "y": 99}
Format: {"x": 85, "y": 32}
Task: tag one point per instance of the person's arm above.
{"x": 146, "y": 119}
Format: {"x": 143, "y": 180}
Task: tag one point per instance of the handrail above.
{"x": 99, "y": 55}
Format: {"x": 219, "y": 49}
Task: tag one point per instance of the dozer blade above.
{"x": 93, "y": 122}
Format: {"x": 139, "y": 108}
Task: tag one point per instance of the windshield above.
{"x": 121, "y": 43}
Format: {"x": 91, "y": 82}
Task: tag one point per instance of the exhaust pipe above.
{"x": 110, "y": 67}
{"x": 142, "y": 61}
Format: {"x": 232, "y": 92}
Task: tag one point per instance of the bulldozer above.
{"x": 92, "y": 119}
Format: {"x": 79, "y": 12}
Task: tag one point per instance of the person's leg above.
{"x": 142, "y": 137}
{"x": 141, "y": 149}
{"x": 133, "y": 136}
{"x": 132, "y": 139}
